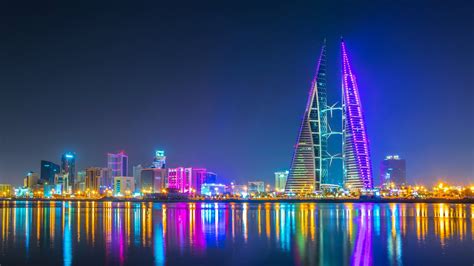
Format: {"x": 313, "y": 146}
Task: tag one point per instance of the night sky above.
{"x": 223, "y": 85}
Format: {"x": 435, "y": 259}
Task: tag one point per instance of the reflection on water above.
{"x": 235, "y": 233}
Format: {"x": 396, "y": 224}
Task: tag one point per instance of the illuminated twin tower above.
{"x": 311, "y": 160}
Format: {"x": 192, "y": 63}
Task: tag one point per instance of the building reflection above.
{"x": 309, "y": 233}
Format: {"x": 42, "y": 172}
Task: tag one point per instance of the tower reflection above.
{"x": 166, "y": 233}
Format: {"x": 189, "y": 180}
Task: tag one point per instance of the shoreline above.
{"x": 431, "y": 200}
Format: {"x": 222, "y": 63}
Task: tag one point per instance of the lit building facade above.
{"x": 255, "y": 187}
{"x": 6, "y": 190}
{"x": 152, "y": 180}
{"x": 212, "y": 189}
{"x": 118, "y": 164}
{"x": 186, "y": 180}
{"x": 93, "y": 179}
{"x": 280, "y": 180}
{"x": 307, "y": 164}
{"x": 160, "y": 160}
{"x": 356, "y": 152}
{"x": 68, "y": 166}
{"x": 124, "y": 186}
{"x": 393, "y": 171}
{"x": 48, "y": 170}
{"x": 31, "y": 180}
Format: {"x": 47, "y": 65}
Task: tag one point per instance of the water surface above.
{"x": 113, "y": 233}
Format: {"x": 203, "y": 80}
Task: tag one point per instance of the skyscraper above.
{"x": 356, "y": 152}
{"x": 280, "y": 180}
{"x": 93, "y": 179}
{"x": 118, "y": 164}
{"x": 393, "y": 170}
{"x": 48, "y": 170}
{"x": 307, "y": 164}
{"x": 68, "y": 166}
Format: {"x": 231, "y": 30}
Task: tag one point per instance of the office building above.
{"x": 152, "y": 180}
{"x": 307, "y": 163}
{"x": 118, "y": 164}
{"x": 179, "y": 179}
{"x": 124, "y": 186}
{"x": 393, "y": 171}
{"x": 31, "y": 180}
{"x": 255, "y": 187}
{"x": 356, "y": 150}
{"x": 68, "y": 167}
{"x": 280, "y": 180}
{"x": 137, "y": 174}
{"x": 93, "y": 180}
{"x": 47, "y": 171}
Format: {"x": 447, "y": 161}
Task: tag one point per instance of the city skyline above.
{"x": 45, "y": 108}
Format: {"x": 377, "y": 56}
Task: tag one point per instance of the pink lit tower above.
{"x": 356, "y": 152}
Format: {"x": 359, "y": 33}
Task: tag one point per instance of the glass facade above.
{"x": 48, "y": 170}
{"x": 307, "y": 164}
{"x": 356, "y": 152}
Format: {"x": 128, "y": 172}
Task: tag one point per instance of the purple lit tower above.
{"x": 356, "y": 152}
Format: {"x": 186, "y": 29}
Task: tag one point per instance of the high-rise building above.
{"x": 152, "y": 180}
{"x": 198, "y": 179}
{"x": 106, "y": 182}
{"x": 31, "y": 180}
{"x": 124, "y": 185}
{"x": 307, "y": 164}
{"x": 80, "y": 181}
{"x": 62, "y": 183}
{"x": 137, "y": 174}
{"x": 118, "y": 164}
{"x": 280, "y": 180}
{"x": 186, "y": 180}
{"x": 48, "y": 170}
{"x": 93, "y": 179}
{"x": 356, "y": 152}
{"x": 160, "y": 160}
{"x": 179, "y": 179}
{"x": 393, "y": 170}
{"x": 211, "y": 178}
{"x": 68, "y": 166}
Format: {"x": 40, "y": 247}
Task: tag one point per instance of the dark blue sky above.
{"x": 223, "y": 85}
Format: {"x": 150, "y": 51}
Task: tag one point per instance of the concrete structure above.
{"x": 93, "y": 180}
{"x": 124, "y": 186}
{"x": 186, "y": 180}
{"x": 152, "y": 180}
{"x": 31, "y": 180}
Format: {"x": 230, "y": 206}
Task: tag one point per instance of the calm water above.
{"x": 90, "y": 233}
